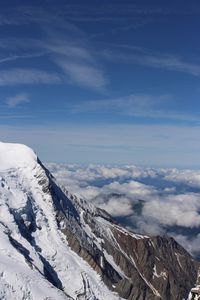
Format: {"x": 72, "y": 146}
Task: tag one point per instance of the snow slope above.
{"x": 35, "y": 259}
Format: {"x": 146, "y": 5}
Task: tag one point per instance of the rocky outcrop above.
{"x": 195, "y": 291}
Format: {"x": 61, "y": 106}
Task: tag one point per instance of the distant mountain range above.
{"x": 54, "y": 245}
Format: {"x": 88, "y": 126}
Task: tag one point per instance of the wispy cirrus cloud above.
{"x": 84, "y": 75}
{"x": 77, "y": 60}
{"x": 68, "y": 47}
{"x": 64, "y": 44}
{"x": 135, "y": 105}
{"x": 16, "y": 57}
{"x": 143, "y": 57}
{"x": 18, "y": 99}
{"x": 74, "y": 61}
{"x": 65, "y": 50}
{"x": 171, "y": 63}
{"x": 25, "y": 13}
{"x": 17, "y": 76}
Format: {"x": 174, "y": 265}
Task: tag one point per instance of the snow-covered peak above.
{"x": 15, "y": 156}
{"x": 36, "y": 260}
{"x": 54, "y": 245}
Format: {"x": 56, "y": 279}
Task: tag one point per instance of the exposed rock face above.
{"x": 195, "y": 292}
{"x": 134, "y": 266}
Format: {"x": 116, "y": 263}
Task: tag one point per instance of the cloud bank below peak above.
{"x": 146, "y": 200}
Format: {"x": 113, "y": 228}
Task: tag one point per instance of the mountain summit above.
{"x": 16, "y": 155}
{"x": 54, "y": 245}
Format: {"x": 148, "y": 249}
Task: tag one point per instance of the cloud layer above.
{"x": 146, "y": 200}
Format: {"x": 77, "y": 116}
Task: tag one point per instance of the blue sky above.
{"x": 102, "y": 81}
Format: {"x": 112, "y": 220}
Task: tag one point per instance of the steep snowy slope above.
{"x": 56, "y": 246}
{"x": 35, "y": 261}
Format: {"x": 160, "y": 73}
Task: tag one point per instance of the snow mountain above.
{"x": 54, "y": 245}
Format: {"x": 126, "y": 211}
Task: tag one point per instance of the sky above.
{"x": 113, "y": 82}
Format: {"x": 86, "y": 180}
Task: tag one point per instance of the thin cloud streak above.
{"x": 75, "y": 62}
{"x": 135, "y": 105}
{"x": 18, "y": 99}
{"x": 16, "y": 57}
{"x": 141, "y": 57}
{"x": 68, "y": 50}
{"x": 72, "y": 54}
{"x": 16, "y": 116}
{"x": 84, "y": 75}
{"x": 26, "y": 14}
{"x": 27, "y": 76}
